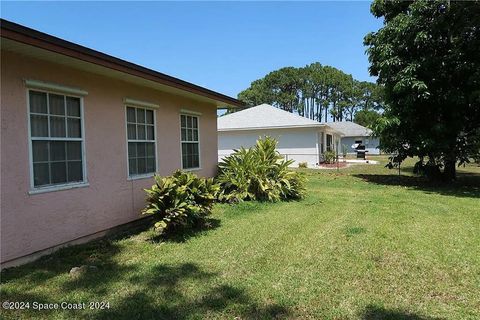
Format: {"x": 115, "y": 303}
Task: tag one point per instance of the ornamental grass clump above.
{"x": 329, "y": 157}
{"x": 181, "y": 200}
{"x": 259, "y": 173}
{"x": 303, "y": 165}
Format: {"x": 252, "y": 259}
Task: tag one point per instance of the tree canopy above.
{"x": 314, "y": 91}
{"x": 366, "y": 118}
{"x": 427, "y": 58}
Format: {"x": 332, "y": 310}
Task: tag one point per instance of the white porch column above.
{"x": 324, "y": 141}
{"x": 339, "y": 144}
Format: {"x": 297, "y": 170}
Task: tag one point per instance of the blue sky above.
{"x": 219, "y": 45}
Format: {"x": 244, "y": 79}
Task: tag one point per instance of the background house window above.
{"x": 329, "y": 142}
{"x": 320, "y": 138}
{"x": 141, "y": 141}
{"x": 56, "y": 138}
{"x": 190, "y": 142}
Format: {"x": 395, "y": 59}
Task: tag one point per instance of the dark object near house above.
{"x": 361, "y": 152}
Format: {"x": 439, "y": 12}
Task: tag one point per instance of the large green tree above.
{"x": 367, "y": 118}
{"x": 257, "y": 93}
{"x": 427, "y": 58}
{"x": 314, "y": 91}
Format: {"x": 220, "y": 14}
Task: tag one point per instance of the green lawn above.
{"x": 364, "y": 244}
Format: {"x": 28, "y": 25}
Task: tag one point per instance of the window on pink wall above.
{"x": 190, "y": 141}
{"x": 56, "y": 136}
{"x": 141, "y": 141}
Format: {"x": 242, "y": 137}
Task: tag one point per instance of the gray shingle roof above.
{"x": 263, "y": 116}
{"x": 350, "y": 129}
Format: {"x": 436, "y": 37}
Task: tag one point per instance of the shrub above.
{"x": 259, "y": 173}
{"x": 429, "y": 168}
{"x": 329, "y": 156}
{"x": 476, "y": 158}
{"x": 303, "y": 165}
{"x": 180, "y": 200}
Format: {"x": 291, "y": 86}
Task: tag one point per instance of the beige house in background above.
{"x": 82, "y": 133}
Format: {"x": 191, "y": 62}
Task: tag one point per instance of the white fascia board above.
{"x": 139, "y": 103}
{"x": 35, "y": 84}
{"x": 269, "y": 128}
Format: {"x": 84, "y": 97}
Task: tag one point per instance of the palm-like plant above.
{"x": 259, "y": 173}
{"x": 182, "y": 199}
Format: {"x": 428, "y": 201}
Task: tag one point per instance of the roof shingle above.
{"x": 262, "y": 117}
{"x": 350, "y": 129}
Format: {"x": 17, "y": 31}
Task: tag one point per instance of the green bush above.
{"x": 329, "y": 156}
{"x": 259, "y": 173}
{"x": 181, "y": 200}
{"x": 303, "y": 165}
{"x": 476, "y": 158}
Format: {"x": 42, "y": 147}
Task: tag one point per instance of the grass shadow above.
{"x": 162, "y": 297}
{"x": 373, "y": 312}
{"x": 97, "y": 281}
{"x": 163, "y": 291}
{"x": 131, "y": 229}
{"x": 98, "y": 256}
{"x": 466, "y": 185}
{"x": 187, "y": 233}
{"x": 102, "y": 270}
{"x": 92, "y": 253}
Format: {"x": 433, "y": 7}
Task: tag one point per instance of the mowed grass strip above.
{"x": 364, "y": 244}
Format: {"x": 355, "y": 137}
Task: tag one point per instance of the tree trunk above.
{"x": 314, "y": 109}
{"x": 449, "y": 172}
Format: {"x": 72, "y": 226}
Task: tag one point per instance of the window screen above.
{"x": 190, "y": 142}
{"x": 56, "y": 138}
{"x": 141, "y": 141}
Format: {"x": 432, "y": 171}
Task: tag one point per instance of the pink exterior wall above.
{"x": 30, "y": 223}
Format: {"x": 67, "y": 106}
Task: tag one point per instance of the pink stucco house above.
{"x": 82, "y": 133}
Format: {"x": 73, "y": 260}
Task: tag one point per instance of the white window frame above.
{"x": 197, "y": 115}
{"x": 59, "y": 186}
{"x": 331, "y": 146}
{"x": 131, "y": 104}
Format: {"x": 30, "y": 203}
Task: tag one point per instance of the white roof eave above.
{"x": 320, "y": 125}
